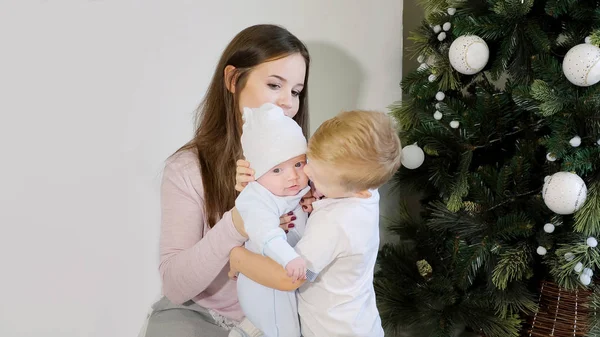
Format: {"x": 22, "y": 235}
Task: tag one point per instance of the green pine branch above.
{"x": 587, "y": 218}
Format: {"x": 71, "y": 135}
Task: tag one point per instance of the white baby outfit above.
{"x": 270, "y": 138}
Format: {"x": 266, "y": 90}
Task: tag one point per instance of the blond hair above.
{"x": 363, "y": 146}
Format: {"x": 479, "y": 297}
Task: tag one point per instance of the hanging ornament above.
{"x": 440, "y": 96}
{"x": 598, "y": 142}
{"x": 541, "y": 250}
{"x": 447, "y": 26}
{"x": 591, "y": 242}
{"x": 575, "y": 141}
{"x": 588, "y": 271}
{"x": 564, "y": 192}
{"x": 451, "y": 11}
{"x": 442, "y": 36}
{"x": 437, "y": 29}
{"x": 422, "y": 67}
{"x": 585, "y": 279}
{"x": 454, "y": 124}
{"x": 581, "y": 65}
{"x": 412, "y": 156}
{"x": 439, "y": 107}
{"x": 432, "y": 78}
{"x": 578, "y": 267}
{"x": 588, "y": 39}
{"x": 421, "y": 58}
{"x": 549, "y": 228}
{"x": 468, "y": 54}
{"x": 569, "y": 256}
{"x": 438, "y": 115}
{"x": 551, "y": 157}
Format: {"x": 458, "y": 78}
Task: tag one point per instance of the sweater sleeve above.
{"x": 190, "y": 258}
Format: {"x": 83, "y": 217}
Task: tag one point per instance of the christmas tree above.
{"x": 501, "y": 128}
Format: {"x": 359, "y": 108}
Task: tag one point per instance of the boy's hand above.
{"x": 296, "y": 269}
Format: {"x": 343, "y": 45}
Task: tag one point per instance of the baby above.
{"x": 276, "y": 148}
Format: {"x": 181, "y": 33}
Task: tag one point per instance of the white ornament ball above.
{"x": 581, "y": 65}
{"x": 442, "y": 36}
{"x": 447, "y": 26}
{"x": 437, "y": 29}
{"x": 432, "y": 78}
{"x": 421, "y": 59}
{"x": 575, "y": 141}
{"x": 564, "y": 192}
{"x": 588, "y": 39}
{"x": 454, "y": 124}
{"x": 578, "y": 267}
{"x": 439, "y": 106}
{"x": 569, "y": 256}
{"x": 468, "y": 54}
{"x": 440, "y": 96}
{"x": 549, "y": 228}
{"x": 541, "y": 250}
{"x": 551, "y": 157}
{"x": 438, "y": 115}
{"x": 588, "y": 271}
{"x": 585, "y": 279}
{"x": 412, "y": 156}
{"x": 591, "y": 242}
{"x": 422, "y": 66}
{"x": 451, "y": 11}
{"x": 598, "y": 142}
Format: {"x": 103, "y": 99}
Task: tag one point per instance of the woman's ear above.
{"x": 230, "y": 78}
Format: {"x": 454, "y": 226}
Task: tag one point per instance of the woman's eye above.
{"x": 274, "y": 86}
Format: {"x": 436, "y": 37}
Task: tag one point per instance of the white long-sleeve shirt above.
{"x": 260, "y": 209}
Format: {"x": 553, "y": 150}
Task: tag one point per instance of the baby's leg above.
{"x": 245, "y": 329}
{"x": 273, "y": 312}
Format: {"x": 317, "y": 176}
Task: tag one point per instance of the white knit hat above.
{"x": 269, "y": 138}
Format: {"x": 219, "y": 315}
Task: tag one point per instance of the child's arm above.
{"x": 261, "y": 221}
{"x": 261, "y": 269}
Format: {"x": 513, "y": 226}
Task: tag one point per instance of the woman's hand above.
{"x": 307, "y": 200}
{"x": 243, "y": 174}
{"x": 310, "y": 197}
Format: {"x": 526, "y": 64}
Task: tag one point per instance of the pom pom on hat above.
{"x": 269, "y": 138}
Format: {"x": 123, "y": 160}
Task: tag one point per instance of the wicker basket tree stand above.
{"x": 561, "y": 313}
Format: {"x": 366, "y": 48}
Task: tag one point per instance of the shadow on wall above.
{"x": 335, "y": 82}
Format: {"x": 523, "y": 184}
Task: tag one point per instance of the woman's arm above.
{"x": 190, "y": 259}
{"x": 261, "y": 269}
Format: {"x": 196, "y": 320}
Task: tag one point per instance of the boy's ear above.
{"x": 363, "y": 194}
{"x": 230, "y": 78}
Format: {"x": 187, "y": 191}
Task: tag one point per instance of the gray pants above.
{"x": 187, "y": 320}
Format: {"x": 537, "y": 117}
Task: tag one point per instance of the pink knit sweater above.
{"x": 194, "y": 259}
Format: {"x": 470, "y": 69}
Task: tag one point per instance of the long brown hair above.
{"x": 219, "y": 121}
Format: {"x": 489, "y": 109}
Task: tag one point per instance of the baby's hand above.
{"x": 296, "y": 269}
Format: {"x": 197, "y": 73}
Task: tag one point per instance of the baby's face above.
{"x": 287, "y": 178}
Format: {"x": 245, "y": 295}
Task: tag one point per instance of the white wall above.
{"x": 94, "y": 95}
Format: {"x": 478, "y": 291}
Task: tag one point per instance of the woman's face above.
{"x": 279, "y": 82}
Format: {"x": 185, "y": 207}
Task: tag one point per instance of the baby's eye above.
{"x": 277, "y": 170}
{"x": 299, "y": 164}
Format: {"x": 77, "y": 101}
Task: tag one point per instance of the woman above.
{"x": 263, "y": 63}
